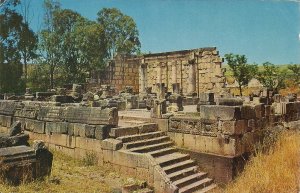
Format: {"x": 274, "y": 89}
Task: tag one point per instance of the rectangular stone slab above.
{"x": 92, "y": 115}
{"x": 218, "y": 112}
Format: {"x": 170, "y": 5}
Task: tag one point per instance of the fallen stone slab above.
{"x": 21, "y": 164}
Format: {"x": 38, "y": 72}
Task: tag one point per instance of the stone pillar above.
{"x": 160, "y": 91}
{"x": 159, "y": 74}
{"x": 191, "y": 79}
{"x": 143, "y": 78}
{"x": 174, "y": 72}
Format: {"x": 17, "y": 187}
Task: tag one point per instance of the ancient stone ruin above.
{"x": 163, "y": 118}
{"x": 20, "y": 163}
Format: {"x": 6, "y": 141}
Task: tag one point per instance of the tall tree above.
{"x": 295, "y": 68}
{"x": 120, "y": 31}
{"x": 242, "y": 72}
{"x": 49, "y": 41}
{"x": 12, "y": 30}
{"x": 271, "y": 77}
{"x": 30, "y": 39}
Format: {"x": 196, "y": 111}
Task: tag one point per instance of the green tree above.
{"x": 120, "y": 31}
{"x": 242, "y": 72}
{"x": 13, "y": 35}
{"x": 92, "y": 45}
{"x": 271, "y": 77}
{"x": 49, "y": 41}
{"x": 30, "y": 39}
{"x": 295, "y": 68}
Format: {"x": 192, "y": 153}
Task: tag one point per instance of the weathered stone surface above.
{"x": 56, "y": 127}
{"x": 28, "y": 111}
{"x": 91, "y": 115}
{"x": 24, "y": 164}
{"x": 51, "y": 114}
{"x": 215, "y": 112}
{"x": 111, "y": 144}
{"x": 229, "y": 101}
{"x": 35, "y": 126}
{"x": 15, "y": 129}
{"x": 234, "y": 127}
{"x": 102, "y": 131}
{"x": 62, "y": 98}
{"x": 8, "y": 107}
{"x": 9, "y": 141}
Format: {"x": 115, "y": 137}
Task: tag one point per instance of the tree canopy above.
{"x": 18, "y": 42}
{"x": 242, "y": 72}
{"x": 271, "y": 77}
{"x": 120, "y": 31}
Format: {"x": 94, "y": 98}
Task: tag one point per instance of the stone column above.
{"x": 159, "y": 74}
{"x": 143, "y": 78}
{"x": 174, "y": 72}
{"x": 191, "y": 79}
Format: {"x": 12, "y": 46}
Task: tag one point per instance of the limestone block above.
{"x": 52, "y": 114}
{"x": 92, "y": 115}
{"x": 8, "y": 107}
{"x": 248, "y": 112}
{"x": 102, "y": 131}
{"x": 35, "y": 126}
{"x": 56, "y": 127}
{"x": 111, "y": 144}
{"x": 89, "y": 131}
{"x": 229, "y": 101}
{"x": 88, "y": 144}
{"x": 28, "y": 111}
{"x": 206, "y": 97}
{"x": 58, "y": 139}
{"x": 215, "y": 112}
{"x": 125, "y": 159}
{"x": 234, "y": 127}
{"x": 122, "y": 131}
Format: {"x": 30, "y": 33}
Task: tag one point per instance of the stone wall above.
{"x": 80, "y": 132}
{"x": 231, "y": 130}
{"x": 195, "y": 71}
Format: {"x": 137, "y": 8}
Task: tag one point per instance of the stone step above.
{"x": 149, "y": 148}
{"x": 207, "y": 189}
{"x": 179, "y": 166}
{"x": 148, "y": 127}
{"x": 182, "y": 173}
{"x": 129, "y": 138}
{"x": 133, "y": 130}
{"x": 162, "y": 152}
{"x": 189, "y": 179}
{"x": 172, "y": 158}
{"x": 196, "y": 185}
{"x": 156, "y": 140}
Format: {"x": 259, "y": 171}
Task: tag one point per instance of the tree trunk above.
{"x": 51, "y": 76}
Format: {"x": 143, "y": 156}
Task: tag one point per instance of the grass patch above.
{"x": 276, "y": 170}
{"x": 70, "y": 175}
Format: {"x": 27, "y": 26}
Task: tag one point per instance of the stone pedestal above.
{"x": 160, "y": 108}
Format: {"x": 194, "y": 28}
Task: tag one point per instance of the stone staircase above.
{"x": 181, "y": 170}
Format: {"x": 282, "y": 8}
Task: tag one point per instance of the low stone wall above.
{"x": 86, "y": 136}
{"x": 229, "y": 133}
